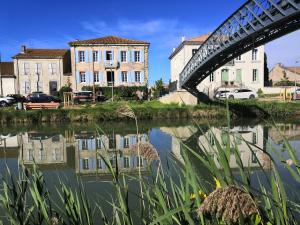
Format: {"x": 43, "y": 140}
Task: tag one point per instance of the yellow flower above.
{"x": 218, "y": 184}
{"x": 201, "y": 194}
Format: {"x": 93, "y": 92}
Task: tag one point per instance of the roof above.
{"x": 35, "y": 53}
{"x": 192, "y": 41}
{"x": 294, "y": 69}
{"x": 114, "y": 40}
{"x": 7, "y": 69}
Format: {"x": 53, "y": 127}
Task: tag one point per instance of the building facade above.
{"x": 109, "y": 61}
{"x": 246, "y": 70}
{"x": 280, "y": 72}
{"x": 45, "y": 70}
{"x": 7, "y": 78}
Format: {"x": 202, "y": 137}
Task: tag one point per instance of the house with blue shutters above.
{"x": 109, "y": 61}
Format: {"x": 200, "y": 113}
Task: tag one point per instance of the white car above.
{"x": 241, "y": 94}
{"x": 5, "y": 101}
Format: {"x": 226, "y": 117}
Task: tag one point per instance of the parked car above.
{"x": 242, "y": 94}
{"x": 6, "y": 101}
{"x": 40, "y": 97}
{"x": 87, "y": 96}
{"x": 297, "y": 92}
{"x": 221, "y": 94}
{"x": 17, "y": 98}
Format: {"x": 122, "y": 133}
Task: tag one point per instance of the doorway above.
{"x": 52, "y": 87}
{"x": 110, "y": 77}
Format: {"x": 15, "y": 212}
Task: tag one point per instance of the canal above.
{"x": 74, "y": 153}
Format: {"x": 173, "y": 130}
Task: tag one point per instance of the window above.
{"x": 81, "y": 56}
{"x": 82, "y": 77}
{"x": 137, "y": 56}
{"x": 27, "y": 87}
{"x": 123, "y": 56}
{"x": 99, "y": 164}
{"x": 211, "y": 77}
{"x": 52, "y": 68}
{"x": 95, "y": 56}
{"x": 238, "y": 75}
{"x": 124, "y": 76}
{"x": 40, "y": 86}
{"x": 254, "y": 138}
{"x": 239, "y": 58}
{"x": 254, "y": 54}
{"x": 112, "y": 142}
{"x": 38, "y": 68}
{"x": 84, "y": 144}
{"x": 98, "y": 143}
{"x": 56, "y": 154}
{"x": 126, "y": 142}
{"x": 139, "y": 161}
{"x": 85, "y": 164}
{"x": 126, "y": 162}
{"x": 137, "y": 76}
{"x": 30, "y": 155}
{"x": 42, "y": 154}
{"x": 26, "y": 69}
{"x": 96, "y": 77}
{"x": 194, "y": 51}
{"x": 113, "y": 161}
{"x": 109, "y": 55}
{"x": 254, "y": 75}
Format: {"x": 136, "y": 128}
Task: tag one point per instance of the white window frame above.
{"x": 212, "y": 77}
{"x": 137, "y": 76}
{"x": 124, "y": 76}
{"x": 85, "y": 164}
{"x": 254, "y": 54}
{"x": 81, "y": 56}
{"x": 26, "y": 66}
{"x": 137, "y": 56}
{"x": 27, "y": 87}
{"x": 123, "y": 56}
{"x": 82, "y": 77}
{"x": 126, "y": 161}
{"x": 239, "y": 58}
{"x": 53, "y": 68}
{"x": 95, "y": 56}
{"x": 38, "y": 68}
{"x": 96, "y": 77}
{"x": 40, "y": 85}
{"x": 254, "y": 75}
{"x": 109, "y": 53}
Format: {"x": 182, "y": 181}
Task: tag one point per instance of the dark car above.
{"x": 220, "y": 94}
{"x": 39, "y": 97}
{"x": 87, "y": 96}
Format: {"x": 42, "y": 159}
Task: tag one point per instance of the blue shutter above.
{"x": 120, "y": 77}
{"x": 142, "y": 56}
{"x": 119, "y": 56}
{"x": 99, "y": 56}
{"x": 128, "y": 56}
{"x": 87, "y": 76}
{"x": 77, "y": 77}
{"x": 76, "y": 56}
{"x": 121, "y": 146}
{"x": 86, "y": 55}
{"x": 91, "y": 56}
{"x": 132, "y": 56}
{"x": 104, "y": 57}
{"x": 100, "y": 77}
{"x": 142, "y": 77}
{"x": 113, "y": 55}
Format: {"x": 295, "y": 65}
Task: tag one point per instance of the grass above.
{"x": 164, "y": 198}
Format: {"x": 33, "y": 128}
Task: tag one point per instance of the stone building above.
{"x": 280, "y": 72}
{"x": 7, "y": 78}
{"x": 109, "y": 61}
{"x": 246, "y": 70}
{"x": 45, "y": 70}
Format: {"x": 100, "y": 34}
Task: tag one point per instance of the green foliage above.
{"x": 260, "y": 93}
{"x": 63, "y": 89}
{"x": 159, "y": 89}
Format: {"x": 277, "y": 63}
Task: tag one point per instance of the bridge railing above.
{"x": 254, "y": 15}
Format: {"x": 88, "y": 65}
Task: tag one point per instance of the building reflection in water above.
{"x": 256, "y": 137}
{"x": 115, "y": 148}
{"x": 81, "y": 151}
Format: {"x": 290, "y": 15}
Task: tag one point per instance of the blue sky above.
{"x": 52, "y": 24}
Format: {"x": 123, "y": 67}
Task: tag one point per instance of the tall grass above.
{"x": 176, "y": 194}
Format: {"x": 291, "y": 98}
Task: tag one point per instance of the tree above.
{"x": 266, "y": 71}
{"x": 159, "y": 89}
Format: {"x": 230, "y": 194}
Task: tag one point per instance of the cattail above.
{"x": 126, "y": 111}
{"x": 229, "y": 204}
{"x": 147, "y": 151}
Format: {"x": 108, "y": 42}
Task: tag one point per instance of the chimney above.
{"x": 23, "y": 49}
{"x": 182, "y": 38}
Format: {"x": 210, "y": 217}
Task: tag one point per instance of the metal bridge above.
{"x": 253, "y": 24}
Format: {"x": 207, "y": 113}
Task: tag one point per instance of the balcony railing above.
{"x": 111, "y": 65}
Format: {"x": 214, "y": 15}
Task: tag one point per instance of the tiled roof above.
{"x": 108, "y": 40}
{"x": 294, "y": 69}
{"x": 193, "y": 41}
{"x": 41, "y": 53}
{"x": 7, "y": 68}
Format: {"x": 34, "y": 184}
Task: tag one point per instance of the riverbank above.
{"x": 153, "y": 111}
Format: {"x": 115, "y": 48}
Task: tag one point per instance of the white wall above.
{"x": 8, "y": 86}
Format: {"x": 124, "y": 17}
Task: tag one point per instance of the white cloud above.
{"x": 285, "y": 50}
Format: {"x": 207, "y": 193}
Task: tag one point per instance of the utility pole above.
{"x": 1, "y": 85}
